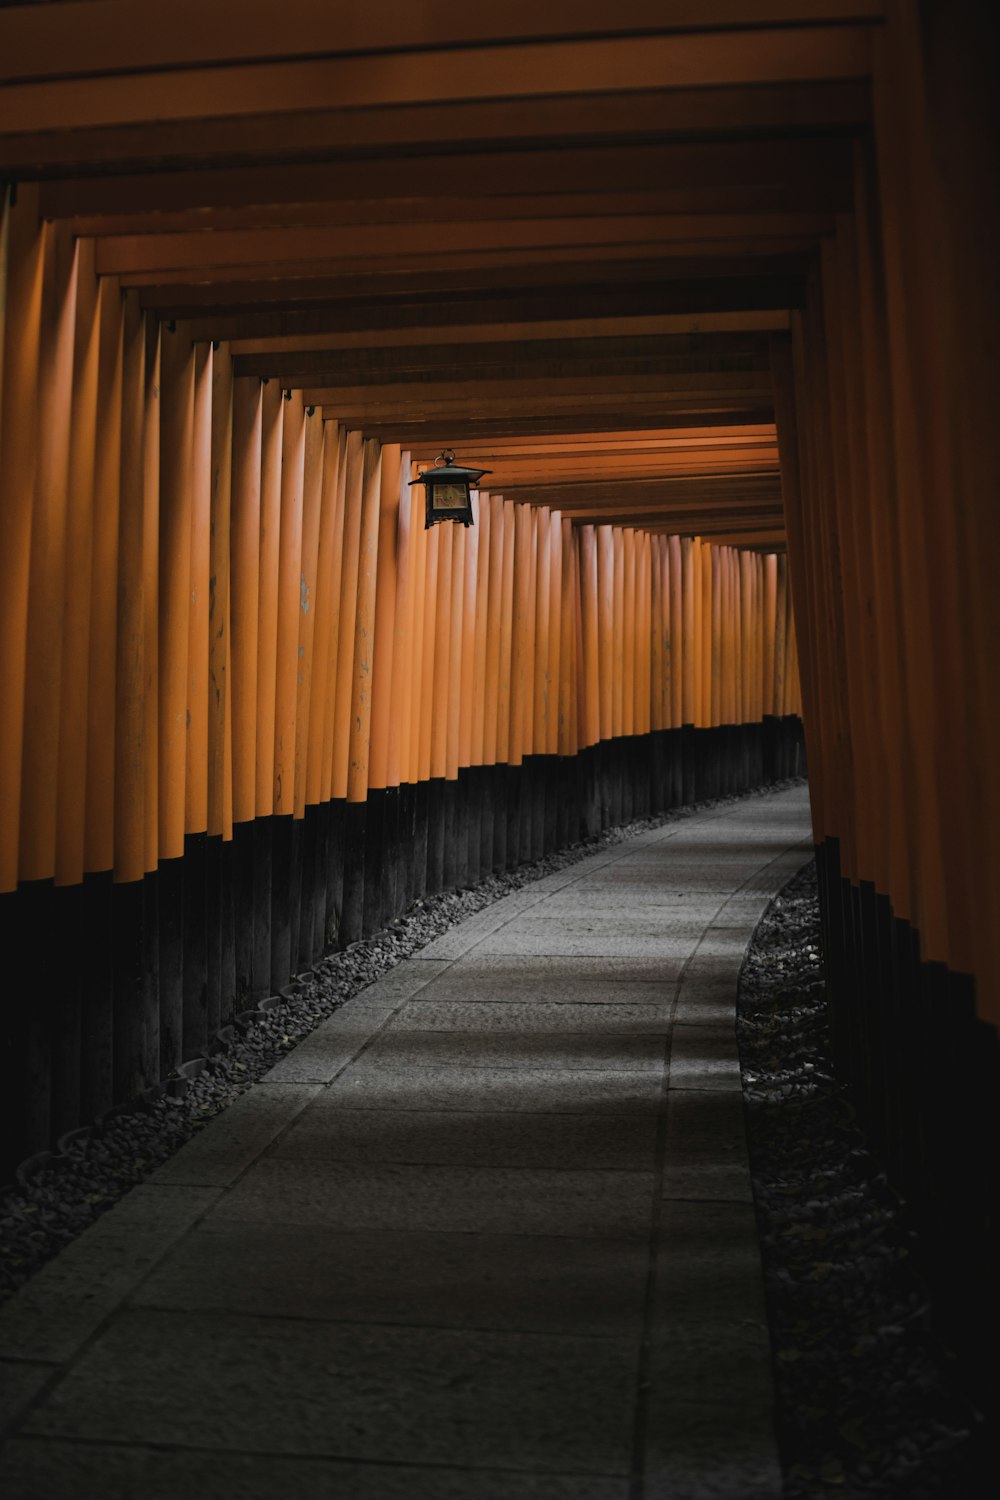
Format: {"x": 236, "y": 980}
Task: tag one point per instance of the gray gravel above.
{"x": 868, "y": 1403}
{"x": 57, "y": 1196}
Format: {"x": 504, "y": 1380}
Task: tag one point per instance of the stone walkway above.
{"x": 487, "y": 1234}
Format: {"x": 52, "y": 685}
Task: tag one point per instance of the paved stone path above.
{"x": 487, "y": 1234}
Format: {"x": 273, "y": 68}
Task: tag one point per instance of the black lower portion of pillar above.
{"x": 124, "y": 982}
{"x": 924, "y": 1076}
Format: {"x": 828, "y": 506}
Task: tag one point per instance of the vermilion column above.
{"x": 80, "y": 529}
{"x": 272, "y": 424}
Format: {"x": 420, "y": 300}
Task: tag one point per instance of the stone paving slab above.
{"x": 370, "y": 1085}
{"x": 395, "y": 1196}
{"x": 512, "y": 1139}
{"x": 63, "y": 1304}
{"x": 526, "y": 1018}
{"x": 37, "y": 1470}
{"x": 487, "y": 1234}
{"x": 511, "y": 1282}
{"x": 479, "y": 1399}
{"x": 413, "y": 1046}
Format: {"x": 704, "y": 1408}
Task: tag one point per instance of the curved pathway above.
{"x": 487, "y": 1234}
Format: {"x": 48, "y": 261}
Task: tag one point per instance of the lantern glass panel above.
{"x": 450, "y": 496}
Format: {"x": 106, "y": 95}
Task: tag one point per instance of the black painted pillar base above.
{"x": 352, "y": 914}
{"x": 373, "y": 916}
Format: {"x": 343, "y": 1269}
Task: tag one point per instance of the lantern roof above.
{"x": 448, "y": 471}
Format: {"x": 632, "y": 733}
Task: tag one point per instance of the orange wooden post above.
{"x": 101, "y": 697}
{"x": 418, "y": 547}
{"x": 384, "y": 720}
{"x": 688, "y": 638}
{"x": 504, "y": 747}
{"x": 628, "y": 641}
{"x": 18, "y": 446}
{"x": 353, "y": 502}
{"x": 606, "y": 627}
{"x": 471, "y": 541}
{"x": 769, "y": 598}
{"x": 678, "y": 660}
{"x": 432, "y": 540}
{"x": 551, "y": 746}
{"x": 75, "y": 678}
{"x": 716, "y": 658}
{"x": 288, "y": 601}
{"x": 218, "y": 594}
{"x": 364, "y": 624}
{"x": 656, "y": 642}
{"x": 318, "y": 769}
{"x": 494, "y": 606}
{"x": 244, "y": 565}
{"x": 177, "y": 432}
{"x": 401, "y": 687}
{"x": 705, "y": 552}
{"x": 543, "y": 584}
{"x": 519, "y": 668}
{"x": 47, "y": 569}
{"x": 482, "y": 688}
{"x": 151, "y": 582}
{"x": 334, "y": 490}
{"x": 590, "y": 551}
{"x": 196, "y": 771}
{"x": 312, "y": 498}
{"x": 456, "y": 621}
{"x": 272, "y": 423}
{"x": 572, "y": 588}
{"x": 527, "y": 681}
{"x": 131, "y": 749}
{"x": 618, "y": 633}
{"x": 441, "y": 688}
{"x": 644, "y": 701}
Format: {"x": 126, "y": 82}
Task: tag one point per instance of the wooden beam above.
{"x": 594, "y": 65}
{"x": 238, "y": 248}
{"x": 77, "y": 39}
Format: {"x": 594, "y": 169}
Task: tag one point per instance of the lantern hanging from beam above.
{"x": 448, "y": 490}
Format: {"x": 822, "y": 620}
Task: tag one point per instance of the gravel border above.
{"x": 59, "y": 1194}
{"x": 868, "y": 1403}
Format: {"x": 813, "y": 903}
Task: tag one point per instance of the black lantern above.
{"x": 448, "y": 489}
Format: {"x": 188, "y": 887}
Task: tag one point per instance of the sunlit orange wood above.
{"x": 101, "y": 676}
{"x": 441, "y": 694}
{"x": 494, "y": 602}
{"x": 472, "y": 540}
{"x": 318, "y": 771}
{"x": 364, "y": 627}
{"x": 507, "y": 626}
{"x": 386, "y": 594}
{"x": 47, "y": 576}
{"x": 628, "y": 637}
{"x": 555, "y": 635}
{"x": 151, "y": 445}
{"x": 481, "y": 688}
{"x": 431, "y": 583}
{"x": 312, "y": 499}
{"x": 18, "y": 447}
{"x": 80, "y": 527}
{"x": 335, "y": 485}
{"x": 176, "y": 462}
{"x": 196, "y": 771}
{"x": 456, "y": 622}
{"x": 353, "y": 501}
{"x": 288, "y": 602}
{"x": 130, "y": 719}
{"x": 219, "y": 729}
{"x": 272, "y": 426}
{"x": 608, "y": 665}
{"x": 244, "y": 564}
